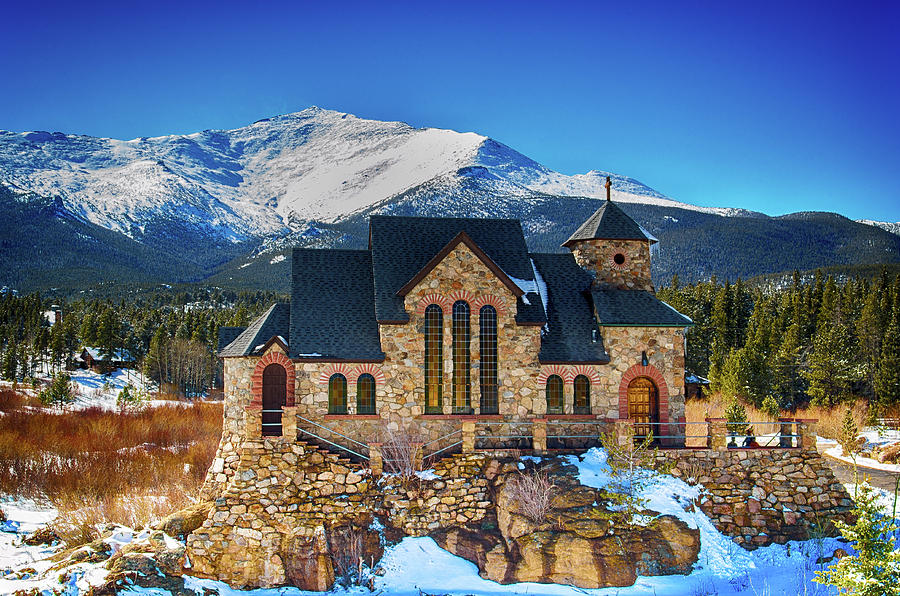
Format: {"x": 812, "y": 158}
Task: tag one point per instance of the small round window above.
{"x": 619, "y": 259}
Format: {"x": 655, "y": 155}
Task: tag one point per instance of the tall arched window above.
{"x": 337, "y": 394}
{"x": 462, "y": 382}
{"x": 274, "y": 392}
{"x": 582, "y": 395}
{"x": 554, "y": 394}
{"x": 365, "y": 394}
{"x": 434, "y": 358}
{"x": 487, "y": 339}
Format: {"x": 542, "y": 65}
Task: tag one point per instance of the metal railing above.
{"x": 511, "y": 439}
{"x": 431, "y": 449}
{"x": 359, "y": 446}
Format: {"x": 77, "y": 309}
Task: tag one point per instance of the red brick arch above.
{"x": 256, "y": 380}
{"x": 495, "y": 301}
{"x": 652, "y": 373}
{"x": 433, "y": 299}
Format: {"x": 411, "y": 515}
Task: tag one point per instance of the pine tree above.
{"x": 828, "y": 366}
{"x": 886, "y": 381}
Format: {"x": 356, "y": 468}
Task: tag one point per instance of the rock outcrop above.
{"x": 580, "y": 542}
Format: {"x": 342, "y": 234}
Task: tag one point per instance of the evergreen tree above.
{"x": 886, "y": 380}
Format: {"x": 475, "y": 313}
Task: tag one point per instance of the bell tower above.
{"x": 613, "y": 248}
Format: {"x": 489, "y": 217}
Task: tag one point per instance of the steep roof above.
{"x": 635, "y": 308}
{"x": 609, "y": 222}
{"x": 402, "y": 247}
{"x": 275, "y": 321}
{"x": 333, "y": 306}
{"x": 226, "y": 336}
{"x": 569, "y": 335}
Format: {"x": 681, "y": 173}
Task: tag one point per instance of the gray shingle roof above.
{"x": 609, "y": 223}
{"x": 274, "y": 322}
{"x": 227, "y": 335}
{"x": 569, "y": 334}
{"x": 333, "y": 306}
{"x": 639, "y": 308}
{"x": 403, "y": 246}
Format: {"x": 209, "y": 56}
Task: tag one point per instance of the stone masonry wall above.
{"x": 664, "y": 347}
{"x": 597, "y": 257}
{"x": 761, "y": 496}
{"x": 283, "y": 493}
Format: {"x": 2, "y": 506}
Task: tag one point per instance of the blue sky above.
{"x": 776, "y": 107}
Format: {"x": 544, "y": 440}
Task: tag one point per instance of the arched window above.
{"x": 461, "y": 375}
{"x": 337, "y": 394}
{"x": 554, "y": 394}
{"x": 582, "y": 395}
{"x": 434, "y": 358}
{"x": 365, "y": 394}
{"x": 274, "y": 392}
{"x": 487, "y": 338}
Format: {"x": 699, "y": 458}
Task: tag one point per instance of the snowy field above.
{"x": 874, "y": 439}
{"x": 96, "y": 390}
{"x": 418, "y": 566}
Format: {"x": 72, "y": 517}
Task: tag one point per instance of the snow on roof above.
{"x": 119, "y": 355}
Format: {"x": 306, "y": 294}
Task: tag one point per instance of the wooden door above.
{"x": 274, "y": 391}
{"x": 643, "y": 407}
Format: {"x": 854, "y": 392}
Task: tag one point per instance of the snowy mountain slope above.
{"x": 890, "y": 226}
{"x": 272, "y": 176}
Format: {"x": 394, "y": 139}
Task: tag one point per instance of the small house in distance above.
{"x": 98, "y": 361}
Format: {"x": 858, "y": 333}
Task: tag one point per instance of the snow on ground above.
{"x": 875, "y": 438}
{"x": 418, "y": 565}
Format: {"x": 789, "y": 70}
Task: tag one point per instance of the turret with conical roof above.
{"x": 613, "y": 248}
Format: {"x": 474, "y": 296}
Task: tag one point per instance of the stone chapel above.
{"x": 442, "y": 321}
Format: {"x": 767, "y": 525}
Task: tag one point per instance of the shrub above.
{"x": 533, "y": 493}
{"x": 402, "y": 451}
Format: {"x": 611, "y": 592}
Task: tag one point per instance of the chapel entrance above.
{"x": 274, "y": 392}
{"x": 643, "y": 406}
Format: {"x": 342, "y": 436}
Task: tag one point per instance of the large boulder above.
{"x": 306, "y": 559}
{"x": 181, "y": 523}
{"x": 579, "y": 542}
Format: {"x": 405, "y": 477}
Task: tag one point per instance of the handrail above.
{"x": 447, "y": 436}
{"x": 347, "y": 449}
{"x": 331, "y": 430}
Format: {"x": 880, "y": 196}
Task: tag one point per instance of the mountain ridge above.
{"x": 209, "y": 200}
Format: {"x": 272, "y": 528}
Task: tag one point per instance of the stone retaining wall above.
{"x": 761, "y": 496}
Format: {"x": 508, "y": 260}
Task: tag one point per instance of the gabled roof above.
{"x": 333, "y": 306}
{"x": 609, "y": 222}
{"x": 117, "y": 356}
{"x": 401, "y": 247}
{"x": 461, "y": 238}
{"x": 569, "y": 335}
{"x": 275, "y": 321}
{"x": 635, "y": 308}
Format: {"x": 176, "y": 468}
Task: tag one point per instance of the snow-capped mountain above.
{"x": 274, "y": 175}
{"x": 891, "y": 226}
{"x": 221, "y": 206}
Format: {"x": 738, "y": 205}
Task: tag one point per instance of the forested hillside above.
{"x": 171, "y": 335}
{"x": 816, "y": 341}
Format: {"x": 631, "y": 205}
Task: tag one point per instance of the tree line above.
{"x": 817, "y": 340}
{"x": 171, "y": 336}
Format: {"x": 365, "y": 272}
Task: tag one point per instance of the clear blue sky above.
{"x": 776, "y": 107}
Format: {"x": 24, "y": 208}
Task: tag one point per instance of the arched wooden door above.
{"x": 643, "y": 406}
{"x": 274, "y": 392}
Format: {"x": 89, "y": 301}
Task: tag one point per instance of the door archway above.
{"x": 274, "y": 394}
{"x": 643, "y": 406}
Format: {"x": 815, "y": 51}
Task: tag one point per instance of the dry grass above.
{"x": 829, "y": 419}
{"x": 98, "y": 466}
{"x": 402, "y": 452}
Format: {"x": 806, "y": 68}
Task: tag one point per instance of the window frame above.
{"x": 584, "y": 408}
{"x": 434, "y": 359}
{"x": 333, "y": 407}
{"x": 562, "y": 386}
{"x": 461, "y": 333}
{"x": 488, "y": 370}
{"x": 363, "y": 408}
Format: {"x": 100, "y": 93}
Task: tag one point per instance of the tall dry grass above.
{"x": 97, "y": 466}
{"x": 829, "y": 419}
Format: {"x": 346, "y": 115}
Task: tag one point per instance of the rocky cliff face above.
{"x": 580, "y": 542}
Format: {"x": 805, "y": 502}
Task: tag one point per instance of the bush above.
{"x": 533, "y": 493}
{"x": 736, "y": 417}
